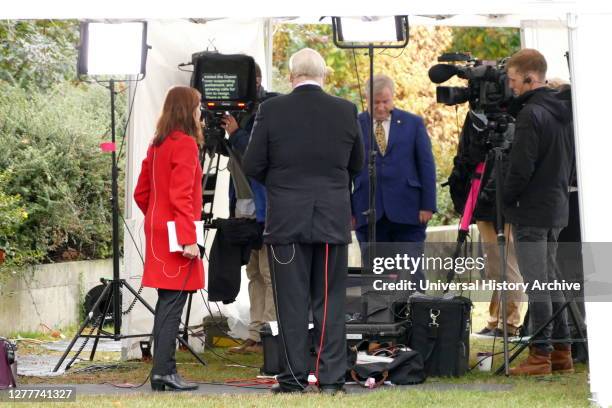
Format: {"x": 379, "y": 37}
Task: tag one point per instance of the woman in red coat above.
{"x": 169, "y": 188}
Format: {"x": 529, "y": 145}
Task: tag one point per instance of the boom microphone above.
{"x": 442, "y": 72}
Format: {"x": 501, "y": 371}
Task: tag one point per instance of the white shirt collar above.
{"x": 385, "y": 121}
{"x": 307, "y": 82}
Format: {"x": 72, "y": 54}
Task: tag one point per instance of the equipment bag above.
{"x": 7, "y": 357}
{"x": 440, "y": 331}
{"x": 406, "y": 368}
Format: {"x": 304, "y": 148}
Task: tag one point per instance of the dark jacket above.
{"x": 231, "y": 248}
{"x": 305, "y": 147}
{"x": 472, "y": 150}
{"x": 536, "y": 186}
{"x": 239, "y": 141}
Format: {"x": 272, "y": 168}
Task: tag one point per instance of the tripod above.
{"x": 497, "y": 130}
{"x": 571, "y": 306}
{"x": 113, "y": 286}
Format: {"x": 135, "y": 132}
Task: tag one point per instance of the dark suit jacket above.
{"x": 305, "y": 147}
{"x": 406, "y": 174}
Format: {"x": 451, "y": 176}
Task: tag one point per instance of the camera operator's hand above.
{"x": 229, "y": 124}
{"x": 191, "y": 251}
{"x": 425, "y": 216}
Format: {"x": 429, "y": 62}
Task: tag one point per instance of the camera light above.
{"x": 370, "y": 29}
{"x": 113, "y": 48}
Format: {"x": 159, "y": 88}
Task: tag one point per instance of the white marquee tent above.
{"x": 553, "y": 27}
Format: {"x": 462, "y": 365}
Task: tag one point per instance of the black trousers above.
{"x": 298, "y": 280}
{"x": 168, "y": 313}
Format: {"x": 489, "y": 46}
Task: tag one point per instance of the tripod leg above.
{"x": 102, "y": 319}
{"x": 186, "y": 345}
{"x": 186, "y": 330}
{"x": 83, "y": 325}
{"x": 578, "y": 323}
{"x": 148, "y": 306}
{"x": 533, "y": 336}
{"x": 137, "y": 296}
{"x": 501, "y": 242}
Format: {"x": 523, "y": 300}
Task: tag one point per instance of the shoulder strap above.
{"x": 378, "y": 383}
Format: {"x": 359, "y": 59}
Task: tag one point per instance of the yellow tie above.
{"x": 379, "y": 133}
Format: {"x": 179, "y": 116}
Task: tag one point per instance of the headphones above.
{"x": 527, "y": 80}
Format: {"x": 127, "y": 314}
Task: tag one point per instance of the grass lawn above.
{"x": 552, "y": 391}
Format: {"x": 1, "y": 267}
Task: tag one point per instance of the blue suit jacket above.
{"x": 406, "y": 174}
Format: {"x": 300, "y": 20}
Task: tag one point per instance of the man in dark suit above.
{"x": 305, "y": 148}
{"x": 405, "y": 172}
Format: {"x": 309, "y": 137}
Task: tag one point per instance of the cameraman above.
{"x": 472, "y": 150}
{"x": 536, "y": 203}
{"x": 258, "y": 269}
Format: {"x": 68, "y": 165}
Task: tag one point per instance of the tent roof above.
{"x": 60, "y": 9}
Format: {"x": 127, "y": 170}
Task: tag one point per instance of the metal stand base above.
{"x": 113, "y": 286}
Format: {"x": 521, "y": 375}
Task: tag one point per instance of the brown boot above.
{"x": 538, "y": 363}
{"x": 561, "y": 359}
{"x": 244, "y": 348}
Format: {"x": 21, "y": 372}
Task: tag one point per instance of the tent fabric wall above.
{"x": 588, "y": 36}
{"x": 172, "y": 43}
{"x": 550, "y": 38}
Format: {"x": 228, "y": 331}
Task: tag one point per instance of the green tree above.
{"x": 38, "y": 53}
{"x": 489, "y": 43}
{"x": 51, "y": 147}
{"x": 14, "y": 249}
{"x": 51, "y": 127}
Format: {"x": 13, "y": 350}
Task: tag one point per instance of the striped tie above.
{"x": 379, "y": 133}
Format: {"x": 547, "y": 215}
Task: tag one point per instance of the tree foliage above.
{"x": 37, "y": 54}
{"x": 489, "y": 43}
{"x": 55, "y": 182}
{"x": 54, "y": 165}
{"x": 14, "y": 251}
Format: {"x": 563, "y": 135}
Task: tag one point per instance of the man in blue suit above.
{"x": 405, "y": 172}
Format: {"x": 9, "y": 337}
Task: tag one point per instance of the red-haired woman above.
{"x": 169, "y": 189}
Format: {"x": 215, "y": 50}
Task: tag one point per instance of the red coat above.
{"x": 169, "y": 188}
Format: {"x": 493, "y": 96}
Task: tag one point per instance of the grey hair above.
{"x": 307, "y": 63}
{"x": 381, "y": 82}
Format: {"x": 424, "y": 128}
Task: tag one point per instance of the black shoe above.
{"x": 279, "y": 389}
{"x": 171, "y": 382}
{"x": 486, "y": 332}
{"x": 332, "y": 389}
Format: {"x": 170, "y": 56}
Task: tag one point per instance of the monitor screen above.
{"x": 224, "y": 78}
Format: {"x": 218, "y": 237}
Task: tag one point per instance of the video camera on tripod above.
{"x": 487, "y": 93}
{"x": 488, "y": 129}
{"x": 227, "y": 84}
{"x": 485, "y": 140}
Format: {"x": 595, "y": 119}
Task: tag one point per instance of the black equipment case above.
{"x": 440, "y": 331}
{"x": 274, "y": 357}
{"x": 394, "y": 333}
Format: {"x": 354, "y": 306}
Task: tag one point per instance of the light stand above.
{"x": 401, "y": 34}
{"x": 112, "y": 287}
